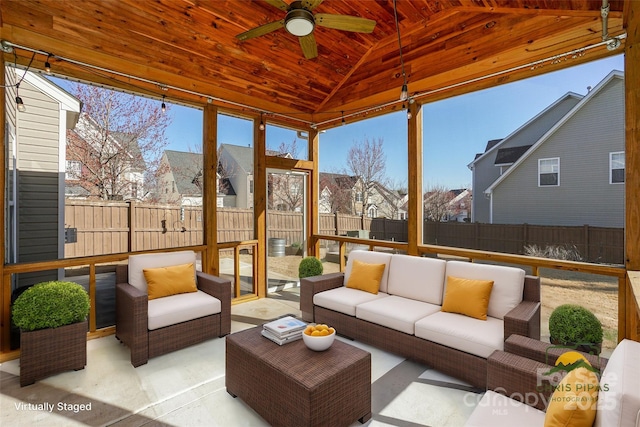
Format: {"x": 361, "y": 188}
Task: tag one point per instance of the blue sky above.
{"x": 454, "y": 129}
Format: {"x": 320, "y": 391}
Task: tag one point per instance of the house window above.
{"x": 372, "y": 211}
{"x": 73, "y": 169}
{"x": 549, "y": 172}
{"x": 359, "y": 196}
{"x": 616, "y": 168}
{"x": 134, "y": 190}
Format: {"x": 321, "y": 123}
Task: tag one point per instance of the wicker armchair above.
{"x": 191, "y": 325}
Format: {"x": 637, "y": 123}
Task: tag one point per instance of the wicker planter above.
{"x": 47, "y": 352}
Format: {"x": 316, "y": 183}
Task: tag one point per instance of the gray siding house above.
{"x": 35, "y": 212}
{"x": 500, "y": 154}
{"x": 181, "y": 180}
{"x": 573, "y": 174}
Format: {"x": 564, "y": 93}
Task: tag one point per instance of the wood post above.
{"x": 414, "y": 210}
{"x": 210, "y": 260}
{"x": 627, "y": 316}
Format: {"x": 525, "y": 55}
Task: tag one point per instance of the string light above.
{"x": 19, "y": 104}
{"x": 47, "y": 65}
{"x": 163, "y": 106}
{"x": 404, "y": 92}
{"x": 261, "y": 127}
{"x": 343, "y": 122}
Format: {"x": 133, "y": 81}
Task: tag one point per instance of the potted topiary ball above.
{"x": 52, "y": 317}
{"x": 574, "y": 326}
{"x": 310, "y": 266}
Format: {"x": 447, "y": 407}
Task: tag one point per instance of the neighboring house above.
{"x": 181, "y": 180}
{"x": 344, "y": 194}
{"x": 118, "y": 157}
{"x": 235, "y": 164}
{"x": 500, "y": 154}
{"x": 36, "y": 171}
{"x": 564, "y": 167}
{"x": 235, "y": 167}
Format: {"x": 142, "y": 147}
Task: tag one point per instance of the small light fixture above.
{"x": 261, "y": 126}
{"x": 47, "y": 65}
{"x": 19, "y": 104}
{"x": 404, "y": 93}
{"x": 299, "y": 21}
{"x": 163, "y": 106}
{"x": 343, "y": 122}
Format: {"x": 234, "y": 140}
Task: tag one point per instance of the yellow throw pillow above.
{"x": 574, "y": 401}
{"x": 467, "y": 296}
{"x": 365, "y": 277}
{"x": 166, "y": 281}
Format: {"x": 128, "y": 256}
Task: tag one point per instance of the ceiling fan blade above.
{"x": 345, "y": 22}
{"x": 309, "y": 46}
{"x": 311, "y": 4}
{"x": 261, "y": 30}
{"x": 278, "y": 3}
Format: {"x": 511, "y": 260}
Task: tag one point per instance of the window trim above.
{"x": 73, "y": 173}
{"x": 557, "y": 184}
{"x": 611, "y": 154}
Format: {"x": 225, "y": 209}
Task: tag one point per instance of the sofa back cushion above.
{"x": 137, "y": 263}
{"x": 619, "y": 398}
{"x": 417, "y": 278}
{"x": 369, "y": 257}
{"x": 508, "y": 283}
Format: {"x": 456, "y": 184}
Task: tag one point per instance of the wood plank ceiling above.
{"x": 192, "y": 45}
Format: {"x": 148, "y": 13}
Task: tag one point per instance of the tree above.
{"x": 286, "y": 190}
{"x": 335, "y": 193}
{"x": 117, "y": 144}
{"x": 437, "y": 203}
{"x": 366, "y": 161}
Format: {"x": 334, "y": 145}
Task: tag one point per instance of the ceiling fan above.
{"x": 300, "y": 22}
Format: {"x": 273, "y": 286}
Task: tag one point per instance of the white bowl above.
{"x": 317, "y": 343}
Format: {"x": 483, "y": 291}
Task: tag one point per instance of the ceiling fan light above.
{"x": 299, "y": 22}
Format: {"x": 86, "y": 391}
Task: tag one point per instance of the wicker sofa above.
{"x": 154, "y": 327}
{"x": 518, "y": 375}
{"x": 405, "y": 316}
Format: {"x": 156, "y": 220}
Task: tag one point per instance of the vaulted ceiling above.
{"x": 190, "y": 48}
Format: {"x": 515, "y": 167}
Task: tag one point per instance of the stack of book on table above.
{"x": 284, "y": 330}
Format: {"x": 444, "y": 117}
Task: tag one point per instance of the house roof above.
{"x": 343, "y": 181}
{"x": 68, "y": 102}
{"x": 192, "y": 47}
{"x": 586, "y": 99}
{"x": 186, "y": 169}
{"x": 495, "y": 144}
{"x": 508, "y": 155}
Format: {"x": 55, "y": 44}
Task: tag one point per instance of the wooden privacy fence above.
{"x": 114, "y": 227}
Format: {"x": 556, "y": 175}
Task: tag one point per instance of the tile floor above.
{"x": 186, "y": 388}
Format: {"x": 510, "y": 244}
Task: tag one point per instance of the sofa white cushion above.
{"x": 395, "y": 312}
{"x": 497, "y": 410}
{"x": 181, "y": 308}
{"x": 137, "y": 263}
{"x": 369, "y": 257}
{"x": 345, "y": 300}
{"x": 479, "y": 337}
{"x": 508, "y": 283}
{"x": 619, "y": 396}
{"x": 417, "y": 278}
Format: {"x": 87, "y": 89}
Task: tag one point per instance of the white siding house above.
{"x": 36, "y": 210}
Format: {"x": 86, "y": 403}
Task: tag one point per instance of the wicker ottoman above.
{"x": 291, "y": 385}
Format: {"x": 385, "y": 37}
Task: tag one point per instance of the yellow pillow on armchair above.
{"x": 366, "y": 277}
{"x": 167, "y": 281}
{"x": 467, "y": 296}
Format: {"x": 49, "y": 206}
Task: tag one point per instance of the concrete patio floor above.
{"x": 187, "y": 387}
